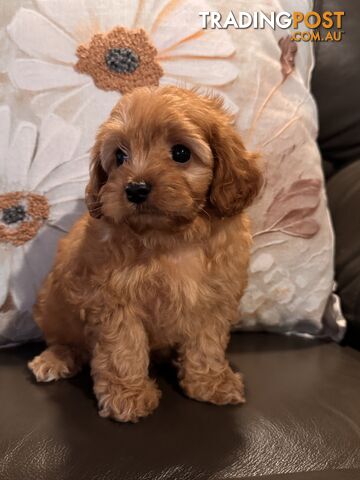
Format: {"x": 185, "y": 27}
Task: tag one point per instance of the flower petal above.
{"x": 177, "y": 82}
{"x": 58, "y": 142}
{"x": 83, "y": 18}
{"x": 149, "y": 12}
{"x": 6, "y": 50}
{"x": 30, "y": 265}
{"x": 177, "y": 22}
{"x": 35, "y": 75}
{"x": 50, "y": 127}
{"x": 72, "y": 16}
{"x": 117, "y": 12}
{"x": 65, "y": 104}
{"x": 85, "y": 107}
{"x": 73, "y": 170}
{"x": 46, "y": 102}
{"x": 64, "y": 215}
{"x": 207, "y": 43}
{"x": 201, "y": 71}
{"x": 69, "y": 192}
{"x": 22, "y": 287}
{"x": 20, "y": 153}
{"x": 4, "y": 274}
{"x": 94, "y": 108}
{"x": 5, "y": 122}
{"x": 40, "y": 253}
{"x": 48, "y": 42}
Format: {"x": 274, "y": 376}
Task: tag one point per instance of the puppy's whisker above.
{"x": 201, "y": 209}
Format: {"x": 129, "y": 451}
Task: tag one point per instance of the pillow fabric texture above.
{"x": 65, "y": 63}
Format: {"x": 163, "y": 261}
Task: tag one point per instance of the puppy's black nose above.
{"x": 137, "y": 192}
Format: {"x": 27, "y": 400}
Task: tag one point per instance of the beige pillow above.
{"x": 64, "y": 65}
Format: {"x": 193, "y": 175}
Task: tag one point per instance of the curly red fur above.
{"x": 168, "y": 272}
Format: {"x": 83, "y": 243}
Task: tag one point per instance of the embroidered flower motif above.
{"x": 92, "y": 55}
{"x": 42, "y": 183}
{"x": 122, "y": 69}
{"x": 22, "y": 216}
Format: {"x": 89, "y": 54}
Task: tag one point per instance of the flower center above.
{"x": 14, "y": 214}
{"x": 122, "y": 60}
{"x": 21, "y": 216}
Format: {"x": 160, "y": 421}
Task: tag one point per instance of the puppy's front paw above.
{"x": 128, "y": 405}
{"x": 227, "y": 388}
{"x": 54, "y": 363}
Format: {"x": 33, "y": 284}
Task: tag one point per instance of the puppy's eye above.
{"x": 180, "y": 153}
{"x": 120, "y": 156}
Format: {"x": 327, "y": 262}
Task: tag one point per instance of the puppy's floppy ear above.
{"x": 237, "y": 178}
{"x": 98, "y": 178}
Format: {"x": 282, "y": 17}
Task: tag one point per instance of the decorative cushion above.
{"x": 66, "y": 63}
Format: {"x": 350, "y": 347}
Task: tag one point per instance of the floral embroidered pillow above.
{"x": 64, "y": 65}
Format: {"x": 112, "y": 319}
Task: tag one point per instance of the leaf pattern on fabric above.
{"x": 287, "y": 61}
{"x": 291, "y": 210}
{"x": 288, "y": 51}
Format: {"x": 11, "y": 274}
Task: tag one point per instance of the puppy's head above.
{"x": 165, "y": 156}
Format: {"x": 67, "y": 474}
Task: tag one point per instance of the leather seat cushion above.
{"x": 302, "y": 415}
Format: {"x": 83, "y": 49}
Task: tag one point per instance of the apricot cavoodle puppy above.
{"x": 161, "y": 260}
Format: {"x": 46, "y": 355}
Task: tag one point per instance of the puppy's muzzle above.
{"x": 137, "y": 192}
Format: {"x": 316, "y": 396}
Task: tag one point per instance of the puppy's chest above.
{"x": 164, "y": 281}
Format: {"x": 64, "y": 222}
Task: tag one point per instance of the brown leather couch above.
{"x": 302, "y": 419}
